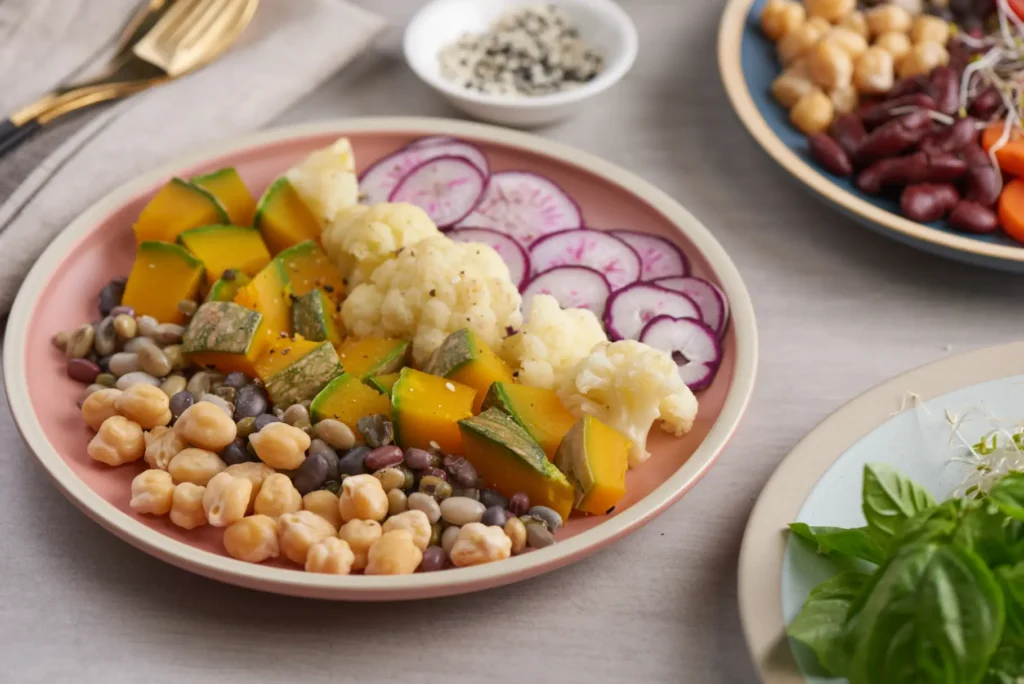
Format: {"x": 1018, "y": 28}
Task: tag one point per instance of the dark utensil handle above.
{"x": 11, "y": 135}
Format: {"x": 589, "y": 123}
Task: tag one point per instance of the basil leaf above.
{"x": 820, "y": 623}
{"x": 932, "y": 525}
{"x": 1011, "y": 581}
{"x": 854, "y": 543}
{"x": 984, "y": 529}
{"x": 1008, "y": 495}
{"x": 1006, "y": 667}
{"x": 890, "y": 498}
{"x": 934, "y": 614}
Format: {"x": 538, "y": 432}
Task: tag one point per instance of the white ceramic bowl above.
{"x": 601, "y": 23}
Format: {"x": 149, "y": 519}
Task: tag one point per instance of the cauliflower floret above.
{"x": 361, "y": 238}
{"x": 629, "y": 385}
{"x": 326, "y": 180}
{"x": 432, "y": 289}
{"x": 551, "y": 343}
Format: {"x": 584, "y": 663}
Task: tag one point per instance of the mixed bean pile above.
{"x": 218, "y": 452}
{"x": 914, "y": 129}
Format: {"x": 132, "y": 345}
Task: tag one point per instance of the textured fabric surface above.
{"x": 839, "y": 309}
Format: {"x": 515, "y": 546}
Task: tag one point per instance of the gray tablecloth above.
{"x": 839, "y": 310}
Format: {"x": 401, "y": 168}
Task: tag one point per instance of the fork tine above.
{"x": 172, "y": 20}
{"x": 213, "y": 17}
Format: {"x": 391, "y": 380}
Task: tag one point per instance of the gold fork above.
{"x": 188, "y": 35}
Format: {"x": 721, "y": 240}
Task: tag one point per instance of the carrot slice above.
{"x": 1011, "y": 209}
{"x": 1010, "y": 156}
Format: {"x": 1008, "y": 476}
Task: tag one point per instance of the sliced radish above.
{"x": 659, "y": 258}
{"x": 432, "y": 140}
{"x": 632, "y": 307}
{"x": 603, "y": 252}
{"x": 378, "y": 181}
{"x": 447, "y": 188}
{"x": 511, "y": 252}
{"x": 575, "y": 287}
{"x": 524, "y": 206}
{"x": 692, "y": 344}
{"x": 710, "y": 300}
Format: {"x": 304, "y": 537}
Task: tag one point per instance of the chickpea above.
{"x": 277, "y": 496}
{"x": 515, "y": 530}
{"x": 844, "y": 99}
{"x": 360, "y": 535}
{"x": 297, "y": 531}
{"x": 922, "y": 58}
{"x": 362, "y": 498}
{"x": 874, "y": 73}
{"x": 851, "y": 42}
{"x": 478, "y": 543}
{"x": 798, "y": 41}
{"x": 118, "y": 441}
{"x": 832, "y": 11}
{"x": 331, "y": 556}
{"x": 821, "y": 24}
{"x": 146, "y": 405}
{"x": 187, "y": 508}
{"x": 792, "y": 84}
{"x": 162, "y": 444}
{"x": 254, "y": 472}
{"x": 394, "y": 553}
{"x": 206, "y": 426}
{"x": 252, "y": 539}
{"x": 99, "y": 406}
{"x": 896, "y": 44}
{"x": 197, "y": 466}
{"x": 415, "y": 522}
{"x": 813, "y": 112}
{"x": 886, "y": 18}
{"x": 152, "y": 492}
{"x": 929, "y": 29}
{"x": 226, "y": 499}
{"x": 280, "y": 445}
{"x": 325, "y": 504}
{"x": 830, "y": 66}
{"x": 855, "y": 21}
{"x": 779, "y": 17}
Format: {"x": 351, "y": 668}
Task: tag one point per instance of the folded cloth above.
{"x": 290, "y": 48}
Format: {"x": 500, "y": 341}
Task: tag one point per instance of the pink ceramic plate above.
{"x": 99, "y": 245}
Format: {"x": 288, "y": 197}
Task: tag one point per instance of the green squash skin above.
{"x": 457, "y": 350}
{"x": 295, "y": 250}
{"x": 225, "y": 290}
{"x": 571, "y": 459}
{"x": 206, "y": 177}
{"x": 305, "y": 378}
{"x": 206, "y": 194}
{"x": 499, "y": 428}
{"x": 223, "y": 327}
{"x": 311, "y": 317}
{"x": 376, "y": 384}
{"x": 177, "y": 251}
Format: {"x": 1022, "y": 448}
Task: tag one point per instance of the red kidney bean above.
{"x": 870, "y": 179}
{"x": 944, "y": 166}
{"x": 909, "y": 86}
{"x": 972, "y": 217}
{"x": 518, "y": 504}
{"x": 946, "y": 88}
{"x": 882, "y": 113}
{"x": 83, "y": 370}
{"x": 982, "y": 179}
{"x": 849, "y": 132}
{"x": 895, "y": 136}
{"x": 924, "y": 202}
{"x": 986, "y": 104}
{"x": 951, "y": 138}
{"x": 828, "y": 153}
{"x": 906, "y": 170}
{"x": 384, "y": 456}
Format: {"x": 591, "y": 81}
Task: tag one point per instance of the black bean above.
{"x": 353, "y": 462}
{"x": 376, "y": 430}
{"x": 494, "y": 515}
{"x": 461, "y": 470}
{"x": 489, "y": 497}
{"x": 434, "y": 559}
{"x": 250, "y": 402}
{"x": 236, "y": 380}
{"x": 312, "y": 474}
{"x": 104, "y": 363}
{"x": 318, "y": 446}
{"x": 263, "y": 420}
{"x": 235, "y": 452}
{"x": 519, "y": 503}
{"x": 110, "y": 295}
{"x": 180, "y": 402}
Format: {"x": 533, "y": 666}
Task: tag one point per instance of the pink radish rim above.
{"x": 639, "y": 261}
{"x": 409, "y": 149}
{"x": 527, "y": 264}
{"x": 613, "y": 332}
{"x": 722, "y": 324}
{"x": 534, "y": 277}
{"x": 685, "y": 260}
{"x": 444, "y": 158}
{"x": 490, "y": 179}
{"x": 713, "y": 369}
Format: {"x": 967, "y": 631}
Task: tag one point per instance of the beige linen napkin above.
{"x": 290, "y": 48}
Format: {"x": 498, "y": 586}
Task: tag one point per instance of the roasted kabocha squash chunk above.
{"x": 283, "y": 218}
{"x": 426, "y": 410}
{"x": 224, "y": 336}
{"x": 270, "y": 294}
{"x": 163, "y": 275}
{"x": 222, "y": 247}
{"x": 175, "y": 208}
{"x": 313, "y": 317}
{"x": 309, "y": 268}
{"x": 347, "y": 398}
{"x": 229, "y": 189}
{"x": 538, "y": 411}
{"x": 227, "y": 286}
{"x": 594, "y": 458}
{"x": 372, "y": 356}
{"x": 464, "y": 358}
{"x": 305, "y": 376}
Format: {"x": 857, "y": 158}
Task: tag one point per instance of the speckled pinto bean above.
{"x": 829, "y": 154}
{"x": 849, "y": 132}
{"x": 982, "y": 179}
{"x": 882, "y": 113}
{"x": 895, "y": 136}
{"x": 972, "y": 217}
{"x": 926, "y": 202}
